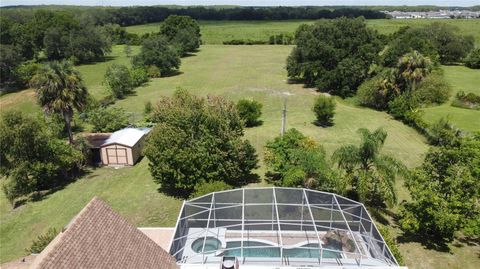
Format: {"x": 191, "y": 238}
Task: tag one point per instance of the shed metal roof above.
{"x": 127, "y": 137}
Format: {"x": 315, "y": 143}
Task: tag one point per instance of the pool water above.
{"x": 211, "y": 245}
{"x": 271, "y": 251}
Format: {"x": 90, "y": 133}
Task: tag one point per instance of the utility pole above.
{"x": 284, "y": 116}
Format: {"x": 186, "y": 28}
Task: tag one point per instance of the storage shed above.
{"x": 123, "y": 147}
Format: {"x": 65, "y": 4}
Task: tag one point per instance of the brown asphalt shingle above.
{"x": 99, "y": 238}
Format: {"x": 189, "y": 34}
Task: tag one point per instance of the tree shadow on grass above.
{"x": 43, "y": 194}
{"x": 172, "y": 73}
{"x": 436, "y": 244}
{"x": 180, "y": 194}
{"x": 254, "y": 124}
{"x": 322, "y": 124}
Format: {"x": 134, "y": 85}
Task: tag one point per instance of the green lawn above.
{"x": 215, "y": 32}
{"x": 130, "y": 191}
{"x": 462, "y": 79}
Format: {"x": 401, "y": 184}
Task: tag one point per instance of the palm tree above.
{"x": 372, "y": 174}
{"x": 59, "y": 89}
{"x": 413, "y": 67}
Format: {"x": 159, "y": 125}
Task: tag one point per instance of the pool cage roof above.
{"x": 278, "y": 226}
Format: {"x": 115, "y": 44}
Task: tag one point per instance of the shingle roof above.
{"x": 99, "y": 238}
{"x": 127, "y": 137}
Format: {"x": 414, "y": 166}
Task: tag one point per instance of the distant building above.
{"x": 441, "y": 14}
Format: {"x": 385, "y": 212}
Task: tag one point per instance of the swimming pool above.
{"x": 211, "y": 245}
{"x": 267, "y": 250}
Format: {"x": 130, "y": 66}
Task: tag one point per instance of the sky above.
{"x": 241, "y": 2}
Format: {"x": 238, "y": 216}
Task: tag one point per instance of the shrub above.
{"x": 406, "y": 109}
{"x": 203, "y": 188}
{"x": 295, "y": 160}
{"x": 469, "y": 100}
{"x": 118, "y": 80}
{"x": 139, "y": 76}
{"x": 324, "y": 109}
{"x": 153, "y": 71}
{"x": 108, "y": 119}
{"x": 371, "y": 93}
{"x": 42, "y": 241}
{"x": 391, "y": 243}
{"x": 197, "y": 139}
{"x": 249, "y": 111}
{"x": 442, "y": 133}
{"x": 26, "y": 71}
{"x": 434, "y": 89}
{"x": 473, "y": 59}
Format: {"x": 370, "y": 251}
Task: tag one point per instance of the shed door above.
{"x": 117, "y": 155}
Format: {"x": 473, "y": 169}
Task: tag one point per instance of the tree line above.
{"x": 126, "y": 16}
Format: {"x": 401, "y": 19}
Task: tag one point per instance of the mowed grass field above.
{"x": 215, "y": 32}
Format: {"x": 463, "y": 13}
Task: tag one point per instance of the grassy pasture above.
{"x": 215, "y": 32}
{"x": 462, "y": 79}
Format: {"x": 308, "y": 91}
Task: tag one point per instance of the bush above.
{"x": 324, "y": 109}
{"x": 434, "y": 89}
{"x": 249, "y": 111}
{"x": 26, "y": 71}
{"x": 406, "y": 109}
{"x": 295, "y": 160}
{"x": 473, "y": 59}
{"x": 139, "y": 76}
{"x": 203, "y": 188}
{"x": 108, "y": 119}
{"x": 469, "y": 100}
{"x": 197, "y": 140}
{"x": 153, "y": 71}
{"x": 371, "y": 93}
{"x": 391, "y": 243}
{"x": 118, "y": 80}
{"x": 42, "y": 241}
{"x": 442, "y": 133}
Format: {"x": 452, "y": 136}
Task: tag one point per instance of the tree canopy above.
{"x": 182, "y": 31}
{"x": 445, "y": 192}
{"x": 32, "y": 158}
{"x": 157, "y": 51}
{"x": 335, "y": 55}
{"x": 197, "y": 140}
{"x": 60, "y": 89}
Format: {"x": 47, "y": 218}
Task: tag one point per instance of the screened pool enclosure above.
{"x": 277, "y": 227}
